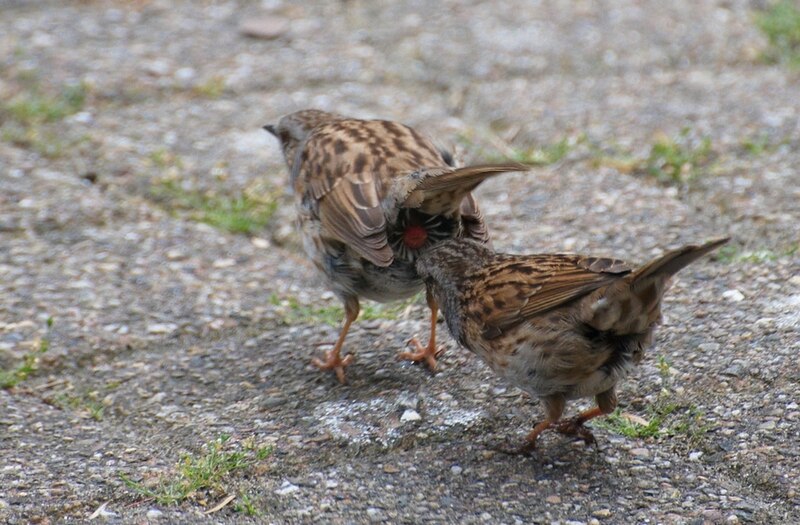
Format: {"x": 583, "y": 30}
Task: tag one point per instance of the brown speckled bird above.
{"x": 370, "y": 195}
{"x": 559, "y": 327}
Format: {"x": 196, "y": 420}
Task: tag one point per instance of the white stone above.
{"x": 410, "y": 415}
{"x": 185, "y": 73}
{"x": 287, "y": 488}
{"x": 733, "y": 295}
{"x": 224, "y": 263}
{"x": 161, "y": 328}
{"x": 258, "y": 242}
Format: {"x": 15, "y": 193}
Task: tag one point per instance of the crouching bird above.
{"x": 370, "y": 196}
{"x": 559, "y": 327}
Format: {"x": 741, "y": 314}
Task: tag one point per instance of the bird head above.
{"x": 293, "y": 129}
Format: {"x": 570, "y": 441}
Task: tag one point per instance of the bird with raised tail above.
{"x": 371, "y": 195}
{"x": 559, "y": 327}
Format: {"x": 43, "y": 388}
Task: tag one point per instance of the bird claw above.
{"x": 423, "y": 353}
{"x": 575, "y": 427}
{"x": 333, "y": 361}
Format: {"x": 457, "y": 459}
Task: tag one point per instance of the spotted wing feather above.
{"x": 514, "y": 289}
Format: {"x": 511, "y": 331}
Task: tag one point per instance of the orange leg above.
{"x": 533, "y": 435}
{"x": 570, "y": 427}
{"x": 426, "y": 353}
{"x": 333, "y": 360}
{"x": 554, "y": 407}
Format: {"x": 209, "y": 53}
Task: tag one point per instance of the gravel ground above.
{"x": 168, "y": 333}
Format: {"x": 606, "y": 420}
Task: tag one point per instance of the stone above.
{"x": 287, "y": 488}
{"x": 265, "y": 27}
{"x": 410, "y": 415}
{"x": 733, "y": 295}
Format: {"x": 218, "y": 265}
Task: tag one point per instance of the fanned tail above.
{"x": 441, "y": 190}
{"x": 674, "y": 261}
{"x": 633, "y": 304}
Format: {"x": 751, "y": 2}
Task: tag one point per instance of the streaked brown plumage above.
{"x": 559, "y": 327}
{"x": 370, "y": 195}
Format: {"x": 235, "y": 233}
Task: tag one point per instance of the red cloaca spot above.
{"x": 415, "y": 236}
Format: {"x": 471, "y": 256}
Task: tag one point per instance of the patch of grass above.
{"x": 542, "y": 155}
{"x": 34, "y": 107}
{"x": 737, "y": 254}
{"x": 677, "y": 160}
{"x": 212, "y": 88}
{"x": 45, "y": 142}
{"x": 162, "y": 158}
{"x": 27, "y": 114}
{"x": 248, "y": 212}
{"x": 757, "y": 145}
{"x": 663, "y": 419}
{"x": 29, "y": 364}
{"x": 293, "y": 312}
{"x": 780, "y": 23}
{"x": 622, "y": 162}
{"x": 494, "y": 149}
{"x": 666, "y": 417}
{"x": 89, "y": 403}
{"x": 245, "y": 505}
{"x": 201, "y": 476}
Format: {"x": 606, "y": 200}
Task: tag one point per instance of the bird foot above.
{"x": 423, "y": 353}
{"x": 575, "y": 427}
{"x": 333, "y": 361}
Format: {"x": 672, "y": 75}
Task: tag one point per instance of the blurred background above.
{"x": 166, "y": 99}
{"x": 153, "y": 295}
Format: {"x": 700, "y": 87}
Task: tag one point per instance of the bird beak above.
{"x": 271, "y": 129}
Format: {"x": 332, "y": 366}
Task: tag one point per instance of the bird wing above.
{"x": 347, "y": 166}
{"x": 517, "y": 288}
{"x": 441, "y": 190}
{"x": 472, "y": 220}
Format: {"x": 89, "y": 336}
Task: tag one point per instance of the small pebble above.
{"x": 154, "y": 514}
{"x": 410, "y": 415}
{"x": 224, "y": 263}
{"x": 265, "y": 27}
{"x": 161, "y": 328}
{"x": 733, "y": 295}
{"x": 287, "y": 488}
{"x": 767, "y": 425}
